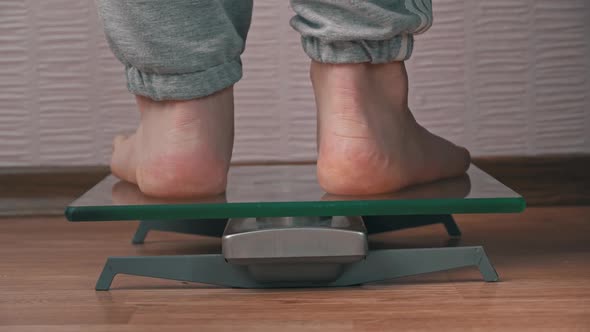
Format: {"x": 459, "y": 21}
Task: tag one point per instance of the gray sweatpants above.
{"x": 185, "y": 49}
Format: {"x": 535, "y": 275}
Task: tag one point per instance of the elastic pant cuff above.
{"x": 183, "y": 86}
{"x": 374, "y": 51}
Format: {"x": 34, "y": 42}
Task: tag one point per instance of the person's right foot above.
{"x": 181, "y": 148}
{"x": 369, "y": 142}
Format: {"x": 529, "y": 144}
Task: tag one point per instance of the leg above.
{"x": 451, "y": 226}
{"x": 181, "y": 60}
{"x": 141, "y": 233}
{"x": 369, "y": 142}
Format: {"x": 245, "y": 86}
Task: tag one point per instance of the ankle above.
{"x": 351, "y": 74}
{"x": 380, "y": 71}
{"x": 375, "y": 83}
{"x": 218, "y": 99}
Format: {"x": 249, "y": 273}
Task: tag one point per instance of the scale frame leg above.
{"x": 382, "y": 224}
{"x": 382, "y": 265}
{"x": 451, "y": 226}
{"x": 141, "y": 233}
{"x": 204, "y": 227}
{"x": 207, "y": 269}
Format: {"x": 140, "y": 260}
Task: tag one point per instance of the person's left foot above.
{"x": 181, "y": 148}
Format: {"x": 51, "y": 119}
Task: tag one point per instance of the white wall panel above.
{"x": 561, "y": 92}
{"x": 66, "y": 126}
{"x": 258, "y": 94}
{"x": 112, "y": 105}
{"x": 437, "y": 73}
{"x": 16, "y": 114}
{"x": 503, "y": 77}
{"x": 498, "y": 66}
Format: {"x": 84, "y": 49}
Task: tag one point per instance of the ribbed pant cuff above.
{"x": 374, "y": 51}
{"x": 183, "y": 86}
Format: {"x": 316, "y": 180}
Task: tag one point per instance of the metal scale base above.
{"x": 297, "y": 252}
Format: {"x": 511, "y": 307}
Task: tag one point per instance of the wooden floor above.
{"x": 48, "y": 268}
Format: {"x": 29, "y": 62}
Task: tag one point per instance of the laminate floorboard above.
{"x": 48, "y": 268}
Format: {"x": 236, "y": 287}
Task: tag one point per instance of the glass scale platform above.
{"x": 279, "y": 229}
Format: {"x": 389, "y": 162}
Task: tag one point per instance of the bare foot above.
{"x": 181, "y": 148}
{"x": 369, "y": 141}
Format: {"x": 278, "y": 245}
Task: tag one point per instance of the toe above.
{"x": 454, "y": 161}
{"x": 466, "y": 159}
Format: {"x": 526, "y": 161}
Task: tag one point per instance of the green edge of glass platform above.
{"x": 295, "y": 209}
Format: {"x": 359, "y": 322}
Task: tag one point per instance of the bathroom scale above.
{"x": 278, "y": 228}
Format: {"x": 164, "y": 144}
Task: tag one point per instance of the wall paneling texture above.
{"x": 502, "y": 77}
